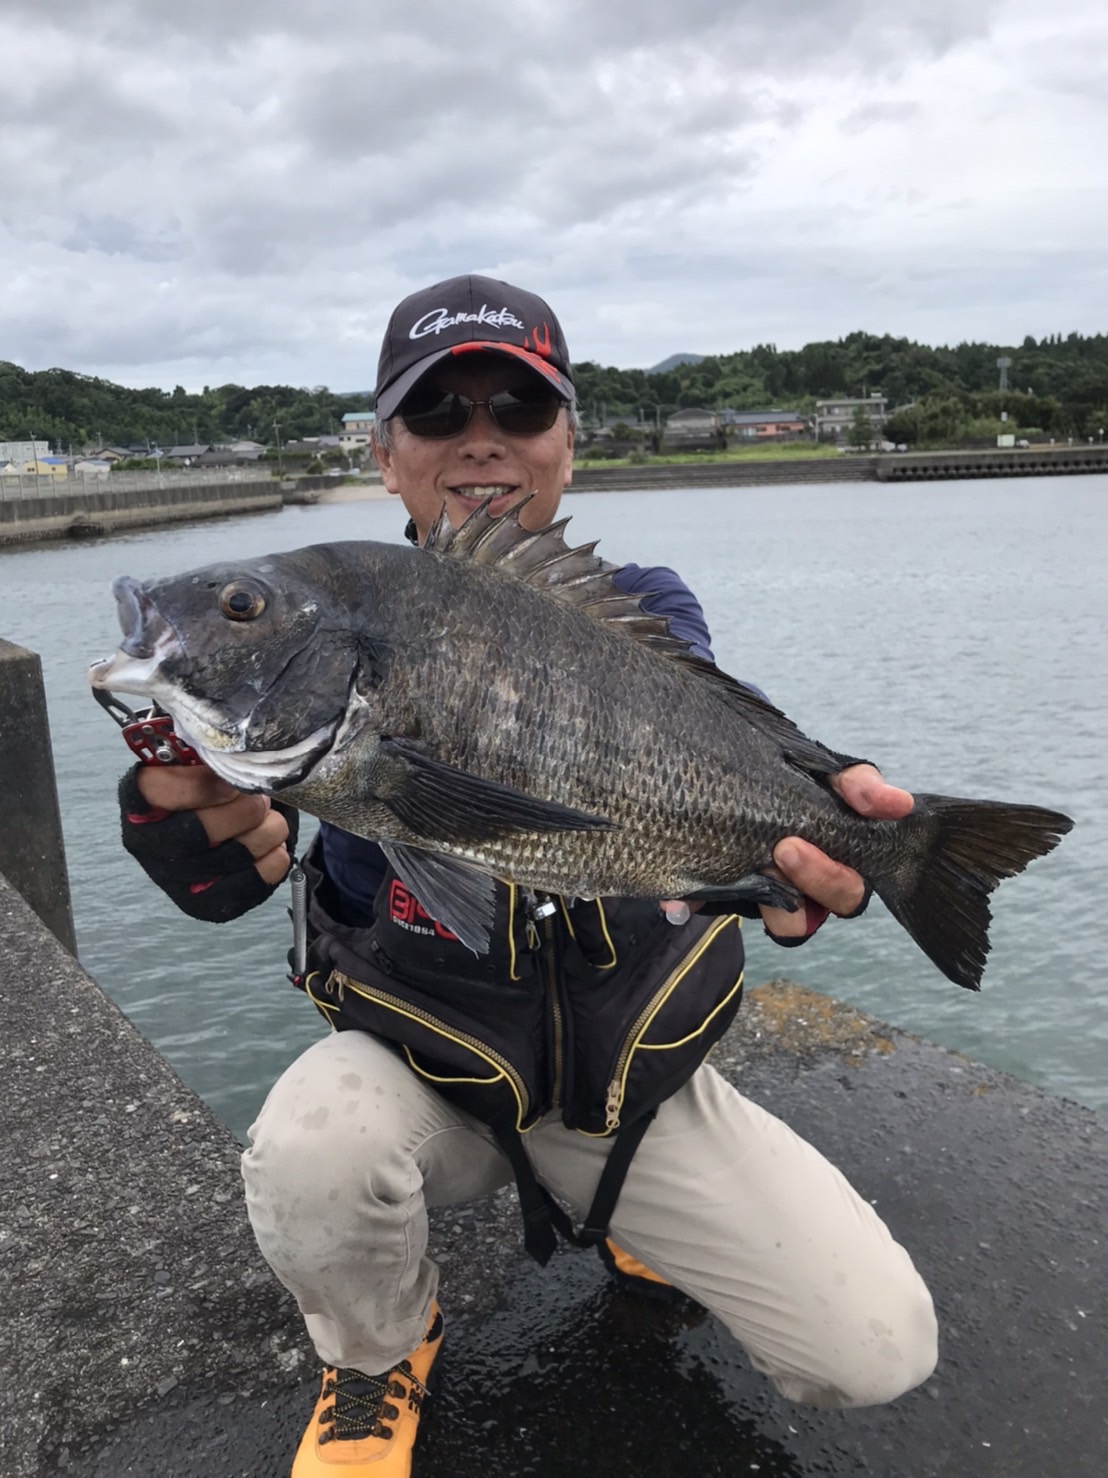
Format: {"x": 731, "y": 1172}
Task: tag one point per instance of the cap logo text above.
{"x": 439, "y": 320}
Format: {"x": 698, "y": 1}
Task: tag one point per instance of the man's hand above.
{"x": 226, "y": 814}
{"x": 833, "y": 886}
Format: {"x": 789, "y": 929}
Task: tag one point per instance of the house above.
{"x": 694, "y": 423}
{"x": 188, "y": 454}
{"x": 108, "y": 453}
{"x": 18, "y": 452}
{"x": 772, "y": 425}
{"x": 44, "y": 467}
{"x": 835, "y": 418}
{"x": 92, "y": 469}
{"x": 233, "y": 453}
{"x": 225, "y": 456}
{"x": 356, "y": 428}
{"x": 694, "y": 429}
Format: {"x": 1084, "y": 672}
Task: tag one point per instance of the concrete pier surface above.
{"x": 142, "y": 1333}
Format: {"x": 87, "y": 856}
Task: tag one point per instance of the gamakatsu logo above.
{"x": 439, "y": 320}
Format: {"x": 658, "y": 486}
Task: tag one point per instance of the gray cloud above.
{"x": 214, "y": 191}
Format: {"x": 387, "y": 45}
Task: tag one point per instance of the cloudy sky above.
{"x": 240, "y": 190}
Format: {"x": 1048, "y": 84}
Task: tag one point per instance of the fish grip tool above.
{"x": 149, "y": 735}
{"x": 298, "y": 913}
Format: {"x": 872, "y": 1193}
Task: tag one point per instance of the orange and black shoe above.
{"x": 365, "y": 1426}
{"x": 635, "y": 1276}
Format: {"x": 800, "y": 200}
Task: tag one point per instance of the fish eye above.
{"x": 241, "y": 601}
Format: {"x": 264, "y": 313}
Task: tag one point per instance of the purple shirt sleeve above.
{"x": 672, "y": 598}
{"x": 668, "y": 595}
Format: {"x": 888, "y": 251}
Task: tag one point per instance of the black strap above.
{"x": 541, "y": 1213}
{"x": 611, "y": 1181}
{"x": 544, "y": 1220}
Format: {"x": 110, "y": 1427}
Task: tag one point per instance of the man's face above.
{"x": 462, "y": 470}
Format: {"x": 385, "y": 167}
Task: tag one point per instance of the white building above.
{"x": 23, "y": 451}
{"x": 356, "y": 428}
{"x": 835, "y": 418}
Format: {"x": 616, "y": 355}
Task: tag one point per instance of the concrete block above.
{"x": 32, "y": 849}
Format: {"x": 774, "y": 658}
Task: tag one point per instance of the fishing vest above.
{"x": 598, "y": 1011}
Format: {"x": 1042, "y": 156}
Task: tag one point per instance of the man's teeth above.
{"x": 493, "y": 490}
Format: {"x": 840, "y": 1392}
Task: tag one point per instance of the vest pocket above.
{"x": 678, "y": 1002}
{"x": 481, "y": 1058}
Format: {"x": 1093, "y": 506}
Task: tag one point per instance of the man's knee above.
{"x": 895, "y": 1351}
{"x": 320, "y": 1135}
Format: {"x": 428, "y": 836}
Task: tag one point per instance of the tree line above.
{"x": 1059, "y": 387}
{"x": 81, "y": 412}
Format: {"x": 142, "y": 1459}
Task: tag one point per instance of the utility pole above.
{"x": 280, "y": 463}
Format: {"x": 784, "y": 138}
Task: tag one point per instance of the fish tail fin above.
{"x": 963, "y": 850}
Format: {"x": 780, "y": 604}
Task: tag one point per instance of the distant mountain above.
{"x": 675, "y": 361}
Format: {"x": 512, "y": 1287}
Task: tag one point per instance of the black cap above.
{"x": 462, "y": 315}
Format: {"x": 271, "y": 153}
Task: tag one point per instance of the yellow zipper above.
{"x": 416, "y": 1013}
{"x": 613, "y": 1103}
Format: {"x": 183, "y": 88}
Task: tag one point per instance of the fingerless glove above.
{"x": 172, "y": 848}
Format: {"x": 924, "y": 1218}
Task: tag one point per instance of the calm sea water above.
{"x": 955, "y": 633}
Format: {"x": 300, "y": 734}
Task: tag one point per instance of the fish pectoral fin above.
{"x": 454, "y": 894}
{"x": 754, "y": 888}
{"x": 444, "y": 804}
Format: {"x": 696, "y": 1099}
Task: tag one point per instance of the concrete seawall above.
{"x": 144, "y": 1335}
{"x": 723, "y": 474}
{"x": 87, "y": 514}
{"x": 1033, "y": 462}
{"x": 894, "y": 467}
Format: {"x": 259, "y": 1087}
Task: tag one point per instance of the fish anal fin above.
{"x": 754, "y": 888}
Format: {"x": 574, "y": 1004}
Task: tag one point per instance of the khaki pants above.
{"x": 722, "y": 1199}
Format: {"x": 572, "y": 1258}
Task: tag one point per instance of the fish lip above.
{"x": 131, "y": 672}
{"x": 140, "y": 620}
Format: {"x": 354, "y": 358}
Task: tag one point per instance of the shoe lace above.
{"x": 362, "y": 1406}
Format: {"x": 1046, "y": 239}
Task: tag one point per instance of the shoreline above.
{"x": 64, "y": 515}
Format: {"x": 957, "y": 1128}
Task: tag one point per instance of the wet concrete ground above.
{"x": 143, "y": 1336}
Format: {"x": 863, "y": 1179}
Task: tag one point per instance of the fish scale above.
{"x": 493, "y": 706}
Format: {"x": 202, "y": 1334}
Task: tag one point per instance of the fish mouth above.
{"x": 142, "y": 624}
{"x": 219, "y": 746}
{"x": 136, "y": 667}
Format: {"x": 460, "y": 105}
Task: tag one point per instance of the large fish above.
{"x": 491, "y": 705}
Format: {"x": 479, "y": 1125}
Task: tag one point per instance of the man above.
{"x": 699, "y": 1188}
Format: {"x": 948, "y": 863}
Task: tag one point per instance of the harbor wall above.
{"x": 90, "y": 513}
{"x": 1046, "y": 461}
{"x": 748, "y": 473}
{"x": 884, "y": 467}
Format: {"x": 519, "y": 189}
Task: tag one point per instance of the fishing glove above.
{"x": 210, "y": 883}
{"x": 814, "y": 916}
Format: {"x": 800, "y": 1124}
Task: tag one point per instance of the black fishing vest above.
{"x": 597, "y": 1010}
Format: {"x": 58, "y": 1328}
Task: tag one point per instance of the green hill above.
{"x": 1061, "y": 384}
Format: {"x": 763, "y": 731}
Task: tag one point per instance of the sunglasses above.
{"x": 520, "y": 413}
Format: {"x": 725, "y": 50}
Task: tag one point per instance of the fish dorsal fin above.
{"x": 543, "y": 559}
